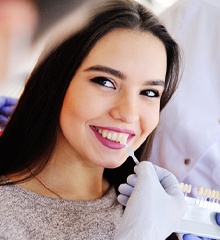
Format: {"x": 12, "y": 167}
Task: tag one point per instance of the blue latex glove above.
{"x": 154, "y": 203}
{"x": 193, "y": 237}
{"x": 7, "y": 105}
{"x": 218, "y": 218}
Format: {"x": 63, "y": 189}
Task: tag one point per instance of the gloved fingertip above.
{"x": 7, "y": 110}
{"x": 121, "y": 187}
{"x": 218, "y": 218}
{"x": 131, "y": 179}
{"x": 11, "y": 101}
{"x": 143, "y": 166}
{"x": 125, "y": 189}
{"x": 2, "y": 100}
{"x": 7, "y": 101}
{"x": 122, "y": 199}
{"x": 191, "y": 237}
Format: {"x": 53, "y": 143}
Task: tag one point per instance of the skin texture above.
{"x": 126, "y": 103}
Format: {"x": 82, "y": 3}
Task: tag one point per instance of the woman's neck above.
{"x": 75, "y": 180}
{"x": 68, "y": 175}
{"x": 72, "y": 180}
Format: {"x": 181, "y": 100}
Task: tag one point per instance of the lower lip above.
{"x": 106, "y": 142}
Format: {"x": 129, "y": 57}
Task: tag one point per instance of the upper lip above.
{"x": 116, "y": 129}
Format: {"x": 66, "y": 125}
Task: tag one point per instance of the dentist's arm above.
{"x": 154, "y": 207}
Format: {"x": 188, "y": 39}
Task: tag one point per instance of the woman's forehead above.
{"x": 128, "y": 50}
{"x": 128, "y": 47}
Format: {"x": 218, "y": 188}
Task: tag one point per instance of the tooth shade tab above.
{"x": 186, "y": 188}
{"x": 124, "y": 140}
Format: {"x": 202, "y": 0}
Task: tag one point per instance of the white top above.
{"x": 189, "y": 127}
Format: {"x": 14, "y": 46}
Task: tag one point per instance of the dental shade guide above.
{"x": 200, "y": 216}
{"x": 129, "y": 150}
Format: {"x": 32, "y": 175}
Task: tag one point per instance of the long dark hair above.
{"x": 30, "y": 136}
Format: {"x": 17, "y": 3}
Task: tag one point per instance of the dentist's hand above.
{"x": 7, "y": 105}
{"x": 155, "y": 207}
{"x": 193, "y": 237}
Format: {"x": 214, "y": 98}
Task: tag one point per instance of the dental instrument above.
{"x": 200, "y": 216}
{"x": 131, "y": 154}
{"x": 129, "y": 150}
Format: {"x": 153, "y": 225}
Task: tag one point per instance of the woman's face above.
{"x": 114, "y": 94}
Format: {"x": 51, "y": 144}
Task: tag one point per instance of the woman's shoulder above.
{"x": 7, "y": 197}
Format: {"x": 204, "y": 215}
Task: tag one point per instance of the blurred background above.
{"x": 23, "y": 23}
{"x": 158, "y": 5}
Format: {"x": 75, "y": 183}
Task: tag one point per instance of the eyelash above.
{"x": 148, "y": 93}
{"x": 103, "y": 80}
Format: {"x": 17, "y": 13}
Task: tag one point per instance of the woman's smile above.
{"x": 112, "y": 137}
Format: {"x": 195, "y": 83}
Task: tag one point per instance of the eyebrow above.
{"x": 122, "y": 76}
{"x": 105, "y": 69}
{"x": 156, "y": 83}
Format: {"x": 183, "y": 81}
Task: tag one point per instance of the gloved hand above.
{"x": 193, "y": 237}
{"x": 126, "y": 190}
{"x": 155, "y": 207}
{"x": 7, "y": 105}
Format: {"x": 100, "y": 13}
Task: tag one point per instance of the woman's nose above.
{"x": 125, "y": 109}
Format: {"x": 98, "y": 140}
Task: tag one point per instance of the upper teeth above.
{"x": 114, "y": 136}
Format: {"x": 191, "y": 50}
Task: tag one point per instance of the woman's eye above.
{"x": 105, "y": 82}
{"x": 150, "y": 93}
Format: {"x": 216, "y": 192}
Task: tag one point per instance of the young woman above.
{"x": 62, "y": 159}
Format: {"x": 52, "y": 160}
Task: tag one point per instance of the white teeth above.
{"x": 114, "y": 136}
{"x": 119, "y": 137}
{"x": 109, "y": 136}
{"x": 104, "y": 133}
